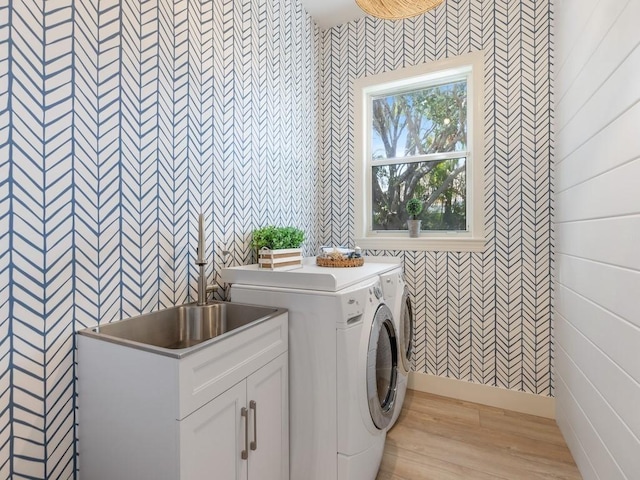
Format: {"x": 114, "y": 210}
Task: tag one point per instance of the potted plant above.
{"x": 278, "y": 247}
{"x": 414, "y": 207}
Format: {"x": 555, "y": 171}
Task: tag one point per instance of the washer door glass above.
{"x": 382, "y": 368}
{"x": 406, "y": 330}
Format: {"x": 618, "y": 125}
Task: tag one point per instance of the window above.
{"x": 419, "y": 135}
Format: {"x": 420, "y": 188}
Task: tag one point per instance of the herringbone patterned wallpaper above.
{"x": 120, "y": 121}
{"x": 482, "y": 317}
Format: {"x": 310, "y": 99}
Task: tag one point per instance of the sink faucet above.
{"x": 203, "y": 288}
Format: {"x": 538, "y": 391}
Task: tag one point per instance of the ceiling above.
{"x": 329, "y": 13}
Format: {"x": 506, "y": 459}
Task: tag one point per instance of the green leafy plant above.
{"x": 275, "y": 238}
{"x": 414, "y": 207}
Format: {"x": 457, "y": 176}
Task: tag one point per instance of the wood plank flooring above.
{"x": 438, "y": 438}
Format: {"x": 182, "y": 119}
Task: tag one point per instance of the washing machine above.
{"x": 396, "y": 295}
{"x": 343, "y": 363}
{"x": 367, "y": 384}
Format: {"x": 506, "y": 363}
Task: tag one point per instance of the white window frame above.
{"x": 406, "y": 79}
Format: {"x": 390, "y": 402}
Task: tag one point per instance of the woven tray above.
{"x": 347, "y": 262}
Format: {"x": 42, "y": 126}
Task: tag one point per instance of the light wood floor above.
{"x": 437, "y": 438}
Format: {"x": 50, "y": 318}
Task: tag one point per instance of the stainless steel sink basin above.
{"x": 180, "y": 330}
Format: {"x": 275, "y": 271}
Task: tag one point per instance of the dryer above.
{"x": 343, "y": 362}
{"x": 396, "y": 295}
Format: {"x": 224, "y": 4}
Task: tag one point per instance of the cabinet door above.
{"x": 268, "y": 401}
{"x": 213, "y": 437}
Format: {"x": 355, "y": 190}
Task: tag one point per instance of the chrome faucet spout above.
{"x": 201, "y": 262}
{"x": 201, "y": 247}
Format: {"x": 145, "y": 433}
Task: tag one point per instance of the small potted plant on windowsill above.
{"x": 278, "y": 247}
{"x": 414, "y": 207}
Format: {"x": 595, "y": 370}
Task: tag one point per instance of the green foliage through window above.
{"x": 419, "y": 149}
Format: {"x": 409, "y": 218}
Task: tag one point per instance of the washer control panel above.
{"x": 353, "y": 305}
{"x": 355, "y": 302}
{"x": 390, "y": 283}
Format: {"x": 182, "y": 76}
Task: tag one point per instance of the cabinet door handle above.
{"x": 252, "y": 406}
{"x": 245, "y": 414}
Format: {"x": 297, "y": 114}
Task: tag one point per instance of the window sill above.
{"x": 423, "y": 244}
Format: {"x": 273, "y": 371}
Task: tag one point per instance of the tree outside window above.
{"x": 418, "y": 133}
{"x": 419, "y": 149}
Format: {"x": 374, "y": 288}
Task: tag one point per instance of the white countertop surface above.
{"x": 310, "y": 276}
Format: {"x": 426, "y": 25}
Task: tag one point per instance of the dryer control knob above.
{"x": 377, "y": 291}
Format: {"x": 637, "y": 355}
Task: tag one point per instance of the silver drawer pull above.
{"x": 252, "y": 406}
{"x": 245, "y": 414}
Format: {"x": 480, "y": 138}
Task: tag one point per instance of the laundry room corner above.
{"x": 481, "y": 317}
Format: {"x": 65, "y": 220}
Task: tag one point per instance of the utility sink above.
{"x": 181, "y": 330}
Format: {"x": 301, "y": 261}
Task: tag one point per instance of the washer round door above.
{"x": 406, "y": 327}
{"x": 382, "y": 368}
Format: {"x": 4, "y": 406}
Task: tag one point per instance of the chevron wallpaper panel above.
{"x": 139, "y": 150}
{"x": 97, "y": 165}
{"x": 482, "y": 317}
{"x": 119, "y": 123}
{"x": 173, "y": 151}
{"x": 42, "y": 226}
{"x": 200, "y": 133}
{"x": 6, "y": 341}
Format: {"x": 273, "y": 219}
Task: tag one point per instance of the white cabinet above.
{"x": 268, "y": 399}
{"x": 212, "y": 438}
{"x": 146, "y": 416}
{"x": 243, "y": 433}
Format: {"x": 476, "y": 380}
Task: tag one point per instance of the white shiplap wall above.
{"x": 597, "y": 317}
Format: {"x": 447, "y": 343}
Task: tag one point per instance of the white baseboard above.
{"x": 484, "y": 394}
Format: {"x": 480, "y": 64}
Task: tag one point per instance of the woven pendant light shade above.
{"x": 397, "y": 9}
